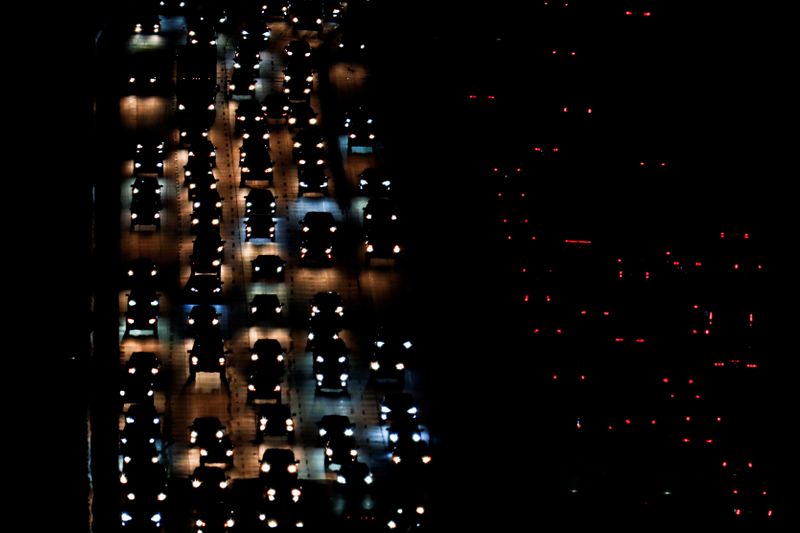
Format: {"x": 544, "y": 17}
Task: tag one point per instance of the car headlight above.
{"x": 394, "y": 437}
{"x": 229, "y": 453}
{"x": 411, "y": 410}
{"x": 319, "y": 377}
{"x": 203, "y": 452}
{"x": 292, "y": 469}
{"x": 343, "y": 377}
{"x": 230, "y": 522}
{"x": 375, "y": 365}
{"x": 195, "y": 360}
{"x": 396, "y": 249}
{"x": 126, "y": 517}
{"x": 312, "y": 121}
{"x": 368, "y": 479}
{"x": 223, "y": 484}
{"x": 342, "y": 359}
{"x": 134, "y": 216}
{"x": 196, "y": 483}
{"x": 385, "y": 409}
{"x": 130, "y": 321}
{"x": 265, "y": 467}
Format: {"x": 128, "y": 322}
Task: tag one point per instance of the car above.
{"x": 203, "y": 318}
{"x": 298, "y": 70}
{"x": 335, "y": 425}
{"x": 247, "y": 55}
{"x": 203, "y": 287}
{"x": 390, "y": 354}
{"x": 276, "y": 106}
{"x": 209, "y": 243}
{"x": 398, "y": 405}
{"x": 142, "y": 311}
{"x": 208, "y": 434}
{"x": 310, "y": 138}
{"x": 332, "y": 375}
{"x": 359, "y": 129}
{"x": 403, "y": 430}
{"x": 200, "y": 32}
{"x": 248, "y": 112}
{"x": 149, "y": 158}
{"x": 326, "y": 305}
{"x": 333, "y": 10}
{"x": 297, "y": 89}
{"x": 340, "y": 450}
{"x": 146, "y": 210}
{"x": 317, "y": 237}
{"x": 192, "y": 132}
{"x": 300, "y": 115}
{"x": 208, "y": 199}
{"x": 274, "y": 419}
{"x": 218, "y": 516}
{"x": 321, "y": 331}
{"x": 145, "y": 74}
{"x": 209, "y": 485}
{"x": 138, "y": 452}
{"x": 255, "y": 31}
{"x": 298, "y": 48}
{"x": 142, "y": 272}
{"x": 382, "y": 242}
{"x": 352, "y": 45}
{"x": 328, "y": 351}
{"x": 312, "y": 179}
{"x": 269, "y": 267}
{"x": 380, "y": 212}
{"x": 311, "y": 156}
{"x": 201, "y": 183}
{"x": 408, "y": 517}
{"x": 306, "y": 16}
{"x": 265, "y": 307}
{"x": 242, "y": 83}
{"x": 195, "y": 168}
{"x": 144, "y": 491}
{"x": 269, "y": 349}
{"x": 375, "y": 182}
{"x": 205, "y": 261}
{"x": 278, "y": 466}
{"x": 142, "y": 422}
{"x": 202, "y": 148}
{"x": 208, "y": 354}
{"x": 139, "y": 378}
{"x": 276, "y": 10}
{"x": 205, "y": 216}
{"x": 260, "y": 202}
{"x": 259, "y": 227}
{"x": 277, "y": 513}
{"x": 409, "y": 454}
{"x": 146, "y": 186}
{"x": 196, "y": 103}
{"x": 354, "y": 475}
{"x": 146, "y": 21}
{"x": 283, "y": 495}
{"x": 264, "y": 381}
{"x": 256, "y": 164}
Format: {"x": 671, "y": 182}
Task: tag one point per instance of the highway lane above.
{"x": 368, "y": 293}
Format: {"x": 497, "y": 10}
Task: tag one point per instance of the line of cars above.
{"x": 212, "y": 500}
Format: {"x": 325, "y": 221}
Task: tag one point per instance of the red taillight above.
{"x": 629, "y": 12}
{"x": 665, "y": 380}
{"x": 646, "y": 14}
{"x": 628, "y": 421}
{"x": 490, "y": 97}
{"x": 473, "y": 97}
